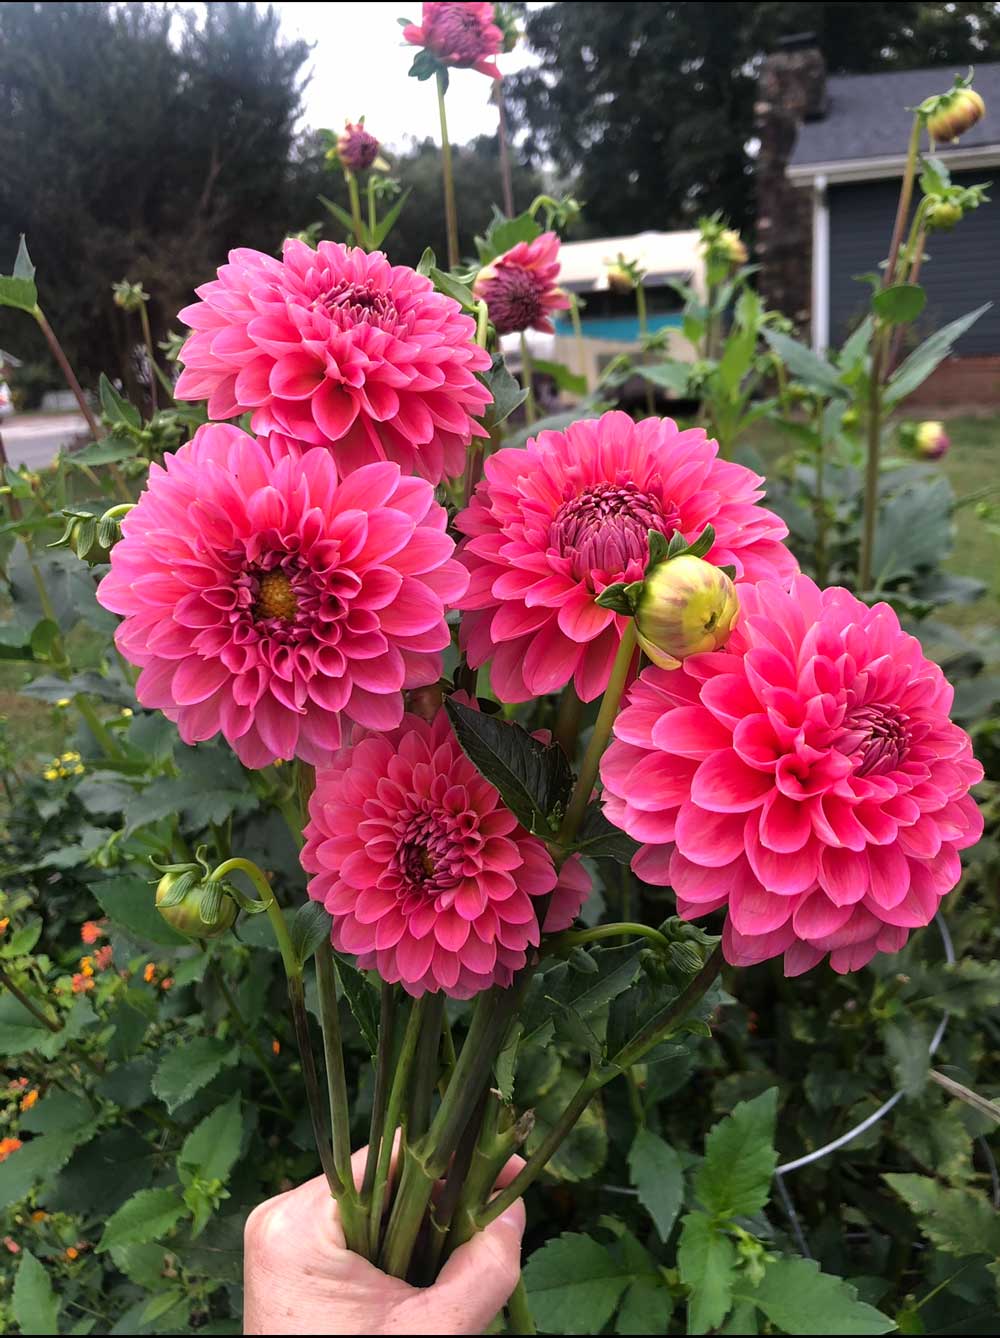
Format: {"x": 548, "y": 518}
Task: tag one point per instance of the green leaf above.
{"x": 39, "y": 1160}
{"x": 35, "y": 1305}
{"x": 19, "y": 1029}
{"x": 212, "y": 787}
{"x": 563, "y": 990}
{"x": 647, "y": 1307}
{"x": 584, "y": 1151}
{"x": 534, "y": 778}
{"x": 574, "y": 1284}
{"x": 958, "y": 1221}
{"x": 505, "y": 233}
{"x": 116, "y": 408}
{"x": 856, "y": 346}
{"x": 22, "y": 940}
{"x": 186, "y": 1070}
{"x": 914, "y": 531}
{"x": 388, "y": 221}
{"x": 706, "y": 1263}
{"x": 57, "y": 1111}
{"x": 799, "y": 1299}
{"x": 734, "y": 1180}
{"x": 923, "y": 360}
{"x": 363, "y": 998}
{"x": 675, "y": 376}
{"x": 342, "y": 217}
{"x": 507, "y": 392}
{"x": 908, "y": 1048}
{"x": 597, "y": 838}
{"x": 454, "y": 288}
{"x": 309, "y": 927}
{"x": 900, "y": 304}
{"x": 107, "y": 451}
{"x": 572, "y": 382}
{"x": 146, "y": 1216}
{"x": 655, "y": 1171}
{"x": 210, "y": 1150}
{"x": 19, "y": 290}
{"x": 805, "y": 365}
{"x": 130, "y": 902}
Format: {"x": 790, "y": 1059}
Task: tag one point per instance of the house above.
{"x": 609, "y": 321}
{"x": 832, "y": 154}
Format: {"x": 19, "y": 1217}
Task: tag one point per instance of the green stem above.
{"x": 581, "y": 350}
{"x": 393, "y": 1110}
{"x": 426, "y": 1066}
{"x": 518, "y": 1310}
{"x": 147, "y": 335}
{"x": 25, "y": 1002}
{"x": 567, "y": 726}
{"x": 251, "y": 1040}
{"x": 450, "y": 211}
{"x": 577, "y": 937}
{"x": 874, "y": 439}
{"x": 352, "y": 190}
{"x": 656, "y": 1030}
{"x": 352, "y": 1215}
{"x": 108, "y": 743}
{"x": 291, "y": 963}
{"x": 820, "y": 504}
{"x": 580, "y": 797}
{"x": 640, "y": 306}
{"x": 380, "y": 1094}
{"x": 372, "y": 213}
{"x": 905, "y": 197}
{"x": 528, "y": 380}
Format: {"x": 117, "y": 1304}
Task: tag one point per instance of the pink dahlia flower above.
{"x": 264, "y": 599}
{"x": 519, "y": 287}
{"x": 428, "y": 876}
{"x": 337, "y": 348}
{"x": 357, "y": 148}
{"x": 461, "y": 35}
{"x": 808, "y": 779}
{"x": 552, "y": 525}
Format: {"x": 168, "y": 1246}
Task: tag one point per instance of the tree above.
{"x": 129, "y": 154}
{"x": 649, "y": 107}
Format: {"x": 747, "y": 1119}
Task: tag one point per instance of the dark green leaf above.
{"x": 148, "y": 1215}
{"x": 130, "y": 902}
{"x": 507, "y": 393}
{"x": 39, "y": 1160}
{"x": 211, "y": 1148}
{"x": 923, "y": 360}
{"x": 572, "y": 382}
{"x": 19, "y": 1029}
{"x": 574, "y": 1284}
{"x": 451, "y": 287}
{"x": 107, "y": 451}
{"x": 186, "y": 1070}
{"x": 914, "y": 531}
{"x": 533, "y": 778}
{"x": 805, "y": 365}
{"x": 116, "y": 408}
{"x": 57, "y": 1110}
{"x": 35, "y": 1305}
{"x": 309, "y": 927}
{"x": 362, "y": 996}
{"x": 908, "y": 1048}
{"x": 961, "y": 1222}
{"x": 655, "y": 1171}
{"x": 646, "y": 1307}
{"x": 505, "y": 233}
{"x": 798, "y": 1298}
{"x": 900, "y": 304}
{"x": 598, "y": 838}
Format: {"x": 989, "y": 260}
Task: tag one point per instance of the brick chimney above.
{"x": 791, "y": 89}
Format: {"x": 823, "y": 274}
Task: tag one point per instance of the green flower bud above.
{"x": 203, "y": 909}
{"x": 942, "y": 215}
{"x": 686, "y": 606}
{"x": 129, "y": 296}
{"x": 955, "y": 113}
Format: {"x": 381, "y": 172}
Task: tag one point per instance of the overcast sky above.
{"x": 359, "y": 64}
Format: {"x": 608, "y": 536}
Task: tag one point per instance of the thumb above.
{"x": 476, "y": 1282}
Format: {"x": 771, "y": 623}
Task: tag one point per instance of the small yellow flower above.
{"x": 51, "y": 773}
{"x": 70, "y": 757}
{"x": 78, "y": 770}
{"x": 87, "y": 966}
{"x": 63, "y": 701}
{"x": 127, "y": 712}
{"x": 29, "y": 1099}
{"x": 149, "y": 974}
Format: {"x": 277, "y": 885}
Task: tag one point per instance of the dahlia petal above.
{"x": 724, "y": 783}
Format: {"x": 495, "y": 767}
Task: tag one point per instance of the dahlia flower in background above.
{"x": 519, "y": 287}
{"x": 807, "y": 779}
{"x": 551, "y": 526}
{"x": 340, "y": 349}
{"x": 264, "y": 599}
{"x": 357, "y": 149}
{"x": 463, "y": 36}
{"x": 928, "y": 439}
{"x": 429, "y": 878}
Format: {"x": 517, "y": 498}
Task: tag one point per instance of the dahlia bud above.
{"x": 194, "y": 908}
{"x": 356, "y": 148}
{"x": 129, "y": 296}
{"x": 955, "y": 113}
{"x": 930, "y": 440}
{"x": 732, "y": 247}
{"x": 619, "y": 279}
{"x": 686, "y": 606}
{"x": 942, "y": 215}
{"x": 90, "y": 537}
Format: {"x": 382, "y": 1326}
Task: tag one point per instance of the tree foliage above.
{"x": 650, "y": 106}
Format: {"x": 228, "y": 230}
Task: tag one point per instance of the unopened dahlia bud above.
{"x": 942, "y": 215}
{"x": 930, "y": 440}
{"x": 356, "y": 148}
{"x": 194, "y": 908}
{"x": 686, "y": 606}
{"x": 129, "y": 296}
{"x": 619, "y": 279}
{"x": 954, "y": 114}
{"x": 732, "y": 246}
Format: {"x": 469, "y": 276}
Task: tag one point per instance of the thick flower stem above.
{"x": 450, "y": 211}
{"x": 351, "y": 1213}
{"x": 519, "y": 1312}
{"x": 581, "y": 350}
{"x": 70, "y": 378}
{"x": 426, "y": 1067}
{"x": 352, "y": 190}
{"x": 905, "y": 197}
{"x": 580, "y": 797}
{"x": 393, "y": 1109}
{"x": 578, "y": 937}
{"x": 870, "y": 509}
{"x": 147, "y": 336}
{"x": 506, "y": 176}
{"x": 383, "y": 1077}
{"x": 640, "y": 307}
{"x": 656, "y": 1030}
{"x": 106, "y": 740}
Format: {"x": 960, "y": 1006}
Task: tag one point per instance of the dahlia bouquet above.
{"x": 494, "y": 671}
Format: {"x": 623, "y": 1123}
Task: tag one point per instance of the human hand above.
{"x": 300, "y": 1277}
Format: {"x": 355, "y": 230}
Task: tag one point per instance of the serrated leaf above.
{"x": 734, "y": 1180}
{"x": 799, "y": 1299}
{"x": 309, "y": 927}
{"x": 211, "y": 1148}
{"x": 107, "y": 451}
{"x": 35, "y": 1305}
{"x": 505, "y": 233}
{"x": 706, "y": 1263}
{"x": 908, "y": 1048}
{"x": 57, "y": 1111}
{"x": 914, "y": 531}
{"x": 655, "y": 1171}
{"x": 130, "y": 902}
{"x": 675, "y": 376}
{"x": 22, "y": 940}
{"x": 597, "y": 838}
{"x": 926, "y": 357}
{"x": 19, "y": 1029}
{"x": 189, "y": 1068}
{"x": 646, "y": 1307}
{"x": 363, "y": 999}
{"x": 533, "y": 778}
{"x": 805, "y": 365}
{"x": 574, "y": 1284}
{"x": 563, "y": 989}
{"x": 508, "y": 394}
{"x": 147, "y": 1216}
{"x": 958, "y": 1221}
{"x": 39, "y": 1160}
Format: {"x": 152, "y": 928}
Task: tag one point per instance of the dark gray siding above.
{"x": 963, "y": 270}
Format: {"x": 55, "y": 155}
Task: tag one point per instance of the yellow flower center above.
{"x": 276, "y": 598}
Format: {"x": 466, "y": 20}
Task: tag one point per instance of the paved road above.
{"x": 36, "y": 439}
